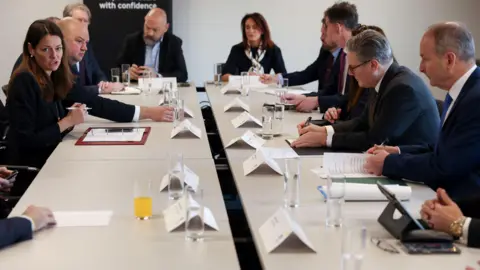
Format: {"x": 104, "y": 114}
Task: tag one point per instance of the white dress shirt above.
{"x": 456, "y": 88}
{"x": 464, "y": 238}
{"x": 331, "y": 131}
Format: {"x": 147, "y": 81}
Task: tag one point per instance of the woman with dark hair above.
{"x": 38, "y": 120}
{"x": 256, "y": 53}
{"x": 356, "y": 99}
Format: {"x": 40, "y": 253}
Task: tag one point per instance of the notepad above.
{"x": 345, "y": 163}
{"x": 103, "y": 135}
{"x": 82, "y": 218}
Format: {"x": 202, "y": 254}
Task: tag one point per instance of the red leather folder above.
{"x": 142, "y": 142}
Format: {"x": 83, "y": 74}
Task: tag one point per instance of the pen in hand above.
{"x": 308, "y": 121}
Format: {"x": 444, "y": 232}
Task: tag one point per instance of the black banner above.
{"x": 112, "y": 20}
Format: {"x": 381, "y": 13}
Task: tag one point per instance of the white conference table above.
{"x": 87, "y": 178}
{"x": 158, "y": 143}
{"x": 262, "y": 194}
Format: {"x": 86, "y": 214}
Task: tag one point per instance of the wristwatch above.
{"x": 456, "y": 228}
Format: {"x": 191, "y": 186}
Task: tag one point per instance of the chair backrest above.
{"x": 439, "y": 106}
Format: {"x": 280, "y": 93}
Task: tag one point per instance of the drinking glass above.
{"x": 194, "y": 222}
{"x": 126, "y": 75}
{"x": 291, "y": 176}
{"x": 176, "y": 176}
{"x": 115, "y": 72}
{"x": 335, "y": 199}
{"x": 142, "y": 198}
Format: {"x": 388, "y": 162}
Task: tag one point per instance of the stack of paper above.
{"x": 351, "y": 165}
{"x": 369, "y": 192}
{"x": 128, "y": 91}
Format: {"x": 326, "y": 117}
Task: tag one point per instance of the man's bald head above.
{"x": 155, "y": 26}
{"x": 76, "y": 38}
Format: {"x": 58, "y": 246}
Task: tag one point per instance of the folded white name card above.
{"x": 237, "y": 103}
{"x": 191, "y": 179}
{"x": 281, "y": 227}
{"x": 249, "y": 138}
{"x": 186, "y": 126}
{"x": 258, "y": 160}
{"x": 188, "y": 112}
{"x": 244, "y": 118}
{"x": 254, "y": 82}
{"x": 175, "y": 215}
{"x": 157, "y": 83}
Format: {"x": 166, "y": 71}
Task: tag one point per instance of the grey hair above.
{"x": 370, "y": 45}
{"x": 453, "y": 37}
{"x": 68, "y": 10}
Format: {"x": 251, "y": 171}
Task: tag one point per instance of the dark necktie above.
{"x": 75, "y": 70}
{"x": 372, "y": 103}
{"x": 341, "y": 72}
{"x": 446, "y": 105}
{"x": 328, "y": 70}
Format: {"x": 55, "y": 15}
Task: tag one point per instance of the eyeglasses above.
{"x": 384, "y": 245}
{"x": 352, "y": 69}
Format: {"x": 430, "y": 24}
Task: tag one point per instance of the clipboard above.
{"x": 81, "y": 141}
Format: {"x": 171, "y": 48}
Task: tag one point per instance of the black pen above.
{"x": 308, "y": 121}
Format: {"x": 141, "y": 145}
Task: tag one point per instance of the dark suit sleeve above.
{"x": 415, "y": 149}
{"x": 474, "y": 233}
{"x": 438, "y": 168}
{"x": 397, "y": 114}
{"x": 101, "y": 107}
{"x": 14, "y": 230}
{"x": 305, "y": 76}
{"x": 336, "y": 100}
{"x": 180, "y": 70}
{"x": 353, "y": 125}
{"x": 97, "y": 72}
{"x": 279, "y": 64}
{"x": 22, "y": 105}
{"x": 469, "y": 206}
{"x": 230, "y": 66}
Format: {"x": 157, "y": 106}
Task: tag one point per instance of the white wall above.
{"x": 210, "y": 27}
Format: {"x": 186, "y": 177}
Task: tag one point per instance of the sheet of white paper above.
{"x": 344, "y": 163}
{"x": 279, "y": 153}
{"x": 101, "y": 135}
{"x": 128, "y": 91}
{"x": 322, "y": 173}
{"x": 369, "y": 192}
{"x": 278, "y": 228}
{"x": 273, "y": 91}
{"x": 82, "y": 218}
{"x": 237, "y": 103}
{"x": 186, "y": 125}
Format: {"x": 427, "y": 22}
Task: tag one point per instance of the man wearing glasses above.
{"x": 400, "y": 111}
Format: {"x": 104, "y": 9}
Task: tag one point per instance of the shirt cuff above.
{"x": 99, "y": 90}
{"x": 464, "y": 238}
{"x": 31, "y": 221}
{"x": 136, "y": 115}
{"x": 330, "y": 132}
{"x": 280, "y": 78}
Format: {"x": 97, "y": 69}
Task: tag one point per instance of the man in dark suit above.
{"x": 453, "y": 161}
{"x": 330, "y": 67}
{"x": 400, "y": 109}
{"x": 461, "y": 219}
{"x": 17, "y": 229}
{"x": 154, "y": 49}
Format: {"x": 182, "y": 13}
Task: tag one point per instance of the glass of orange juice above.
{"x": 142, "y": 199}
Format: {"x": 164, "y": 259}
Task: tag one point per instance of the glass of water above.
{"x": 176, "y": 176}
{"x": 278, "y": 115}
{"x": 291, "y": 176}
{"x": 335, "y": 198}
{"x": 194, "y": 222}
{"x": 354, "y": 242}
{"x": 245, "y": 83}
{"x": 115, "y": 72}
{"x": 126, "y": 75}
{"x": 282, "y": 83}
{"x": 178, "y": 111}
{"x": 217, "y": 71}
{"x": 148, "y": 76}
{"x": 268, "y": 112}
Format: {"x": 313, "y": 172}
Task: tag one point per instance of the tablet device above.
{"x": 398, "y": 205}
{"x": 431, "y": 248}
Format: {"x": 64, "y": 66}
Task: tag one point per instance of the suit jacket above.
{"x": 238, "y": 61}
{"x": 34, "y": 132}
{"x": 314, "y": 72}
{"x": 13, "y": 230}
{"x": 93, "y": 72}
{"x": 403, "y": 112}
{"x": 171, "y": 61}
{"x": 454, "y": 162}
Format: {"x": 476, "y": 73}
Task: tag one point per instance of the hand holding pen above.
{"x": 384, "y": 147}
